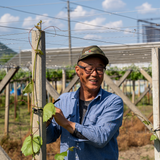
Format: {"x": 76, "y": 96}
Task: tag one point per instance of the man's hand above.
{"x": 63, "y": 122}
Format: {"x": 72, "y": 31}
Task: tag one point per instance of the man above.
{"x": 88, "y": 119}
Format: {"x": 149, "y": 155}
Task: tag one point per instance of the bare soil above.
{"x": 138, "y": 153}
{"x": 133, "y": 141}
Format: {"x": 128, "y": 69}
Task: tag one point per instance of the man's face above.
{"x": 91, "y": 81}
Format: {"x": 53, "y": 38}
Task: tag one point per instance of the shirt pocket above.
{"x": 91, "y": 120}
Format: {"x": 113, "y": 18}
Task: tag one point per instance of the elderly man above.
{"x": 88, "y": 119}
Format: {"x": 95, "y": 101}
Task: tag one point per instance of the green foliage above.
{"x": 27, "y": 145}
{"x": 153, "y": 137}
{"x": 2, "y": 74}
{"x": 39, "y": 51}
{"x": 146, "y": 122}
{"x": 21, "y": 74}
{"x": 53, "y": 74}
{"x": 28, "y": 88}
{"x": 48, "y": 111}
{"x": 56, "y": 74}
{"x": 70, "y": 74}
{"x": 60, "y": 156}
{"x": 5, "y": 58}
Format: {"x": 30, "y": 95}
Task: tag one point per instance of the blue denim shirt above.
{"x": 100, "y": 126}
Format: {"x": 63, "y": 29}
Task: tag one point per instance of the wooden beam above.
{"x": 156, "y": 95}
{"x": 139, "y": 99}
{"x": 51, "y": 90}
{"x": 122, "y": 79}
{"x": 8, "y": 77}
{"x": 71, "y": 84}
{"x": 126, "y": 100}
{"x": 146, "y": 75}
{"x": 143, "y": 94}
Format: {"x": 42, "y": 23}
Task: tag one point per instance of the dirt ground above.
{"x": 138, "y": 153}
{"x": 133, "y": 141}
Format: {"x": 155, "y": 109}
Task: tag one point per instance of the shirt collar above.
{"x": 76, "y": 95}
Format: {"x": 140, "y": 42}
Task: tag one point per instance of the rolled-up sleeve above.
{"x": 107, "y": 125}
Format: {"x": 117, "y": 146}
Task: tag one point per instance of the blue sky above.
{"x": 93, "y": 22}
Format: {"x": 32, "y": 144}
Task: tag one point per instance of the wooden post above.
{"x": 39, "y": 89}
{"x": 133, "y": 91}
{"x": 103, "y": 84}
{"x": 55, "y": 83}
{"x": 139, "y": 91}
{"x": 63, "y": 79}
{"x": 156, "y": 96}
{"x": 6, "y": 129}
{"x": 28, "y": 99}
{"x": 147, "y": 94}
{"x": 123, "y": 87}
{"x": 15, "y": 100}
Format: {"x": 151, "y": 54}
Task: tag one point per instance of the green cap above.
{"x": 93, "y": 51}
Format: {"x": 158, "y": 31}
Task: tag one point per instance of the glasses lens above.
{"x": 89, "y": 70}
{"x": 100, "y": 70}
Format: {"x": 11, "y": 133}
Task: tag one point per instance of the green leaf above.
{"x": 28, "y": 88}
{"x": 27, "y": 145}
{"x": 129, "y": 114}
{"x": 153, "y": 137}
{"x": 48, "y": 111}
{"x": 38, "y": 122}
{"x": 71, "y": 148}
{"x": 39, "y": 51}
{"x": 60, "y": 156}
{"x": 146, "y": 122}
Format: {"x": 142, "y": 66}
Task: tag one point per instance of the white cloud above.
{"x": 115, "y": 24}
{"x": 7, "y": 20}
{"x": 146, "y": 8}
{"x": 128, "y": 31}
{"x": 97, "y": 21}
{"x": 113, "y": 4}
{"x": 91, "y": 36}
{"x": 78, "y": 12}
{"x": 30, "y": 22}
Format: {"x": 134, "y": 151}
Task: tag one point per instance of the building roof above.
{"x": 117, "y": 54}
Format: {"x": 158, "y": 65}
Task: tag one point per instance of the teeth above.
{"x": 93, "y": 80}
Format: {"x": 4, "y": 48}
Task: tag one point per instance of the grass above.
{"x": 17, "y": 127}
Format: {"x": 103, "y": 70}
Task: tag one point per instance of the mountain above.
{"x": 5, "y": 53}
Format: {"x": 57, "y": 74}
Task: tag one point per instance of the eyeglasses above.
{"x": 90, "y": 69}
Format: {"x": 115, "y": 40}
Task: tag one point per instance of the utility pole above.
{"x": 69, "y": 35}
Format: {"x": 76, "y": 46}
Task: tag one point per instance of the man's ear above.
{"x": 77, "y": 70}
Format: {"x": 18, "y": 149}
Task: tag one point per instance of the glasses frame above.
{"x": 94, "y": 68}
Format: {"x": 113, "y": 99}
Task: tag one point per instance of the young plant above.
{"x": 33, "y": 142}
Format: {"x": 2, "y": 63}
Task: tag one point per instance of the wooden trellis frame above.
{"x": 155, "y": 81}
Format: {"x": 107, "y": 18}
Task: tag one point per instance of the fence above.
{"x": 114, "y": 88}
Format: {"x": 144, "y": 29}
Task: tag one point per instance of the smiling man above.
{"x": 88, "y": 119}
